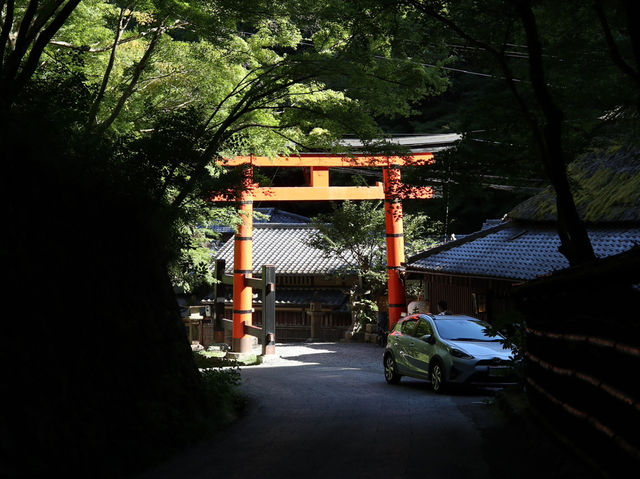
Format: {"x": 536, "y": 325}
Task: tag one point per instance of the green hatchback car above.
{"x": 446, "y": 349}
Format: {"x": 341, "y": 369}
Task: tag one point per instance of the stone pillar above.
{"x": 218, "y": 306}
{"x": 315, "y": 314}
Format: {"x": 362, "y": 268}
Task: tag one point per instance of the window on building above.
{"x": 479, "y": 303}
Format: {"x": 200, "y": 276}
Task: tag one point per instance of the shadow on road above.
{"x": 320, "y": 410}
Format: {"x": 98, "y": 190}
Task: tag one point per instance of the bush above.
{"x": 220, "y": 386}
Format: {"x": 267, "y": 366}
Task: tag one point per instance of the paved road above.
{"x": 323, "y": 410}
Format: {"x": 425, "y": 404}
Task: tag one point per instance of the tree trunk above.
{"x": 575, "y": 242}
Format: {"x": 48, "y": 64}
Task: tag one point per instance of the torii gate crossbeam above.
{"x": 390, "y": 190}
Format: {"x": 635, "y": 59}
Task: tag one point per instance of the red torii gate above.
{"x": 391, "y": 190}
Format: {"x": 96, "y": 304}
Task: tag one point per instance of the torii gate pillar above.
{"x": 243, "y": 268}
{"x": 395, "y": 244}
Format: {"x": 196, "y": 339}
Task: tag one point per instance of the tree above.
{"x": 27, "y": 29}
{"x": 559, "y": 78}
{"x": 620, "y": 34}
{"x": 355, "y": 232}
{"x": 113, "y": 118}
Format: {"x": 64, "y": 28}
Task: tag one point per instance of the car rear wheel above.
{"x": 438, "y": 381}
{"x": 390, "y": 371}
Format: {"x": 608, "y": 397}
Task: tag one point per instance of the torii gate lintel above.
{"x": 391, "y": 190}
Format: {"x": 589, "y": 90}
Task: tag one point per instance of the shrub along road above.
{"x": 324, "y": 410}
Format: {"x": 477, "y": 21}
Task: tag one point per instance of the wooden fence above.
{"x": 583, "y": 357}
{"x": 291, "y": 326}
{"x": 294, "y": 325}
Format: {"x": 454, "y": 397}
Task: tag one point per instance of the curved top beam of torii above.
{"x": 331, "y": 160}
{"x": 318, "y": 189}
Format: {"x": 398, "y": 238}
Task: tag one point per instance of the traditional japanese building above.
{"x": 308, "y": 281}
{"x": 475, "y": 273}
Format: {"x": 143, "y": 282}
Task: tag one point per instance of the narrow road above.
{"x": 323, "y": 410}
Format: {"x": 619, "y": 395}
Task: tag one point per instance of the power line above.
{"x": 429, "y": 65}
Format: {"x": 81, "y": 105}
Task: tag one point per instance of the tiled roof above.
{"x": 284, "y": 246}
{"x": 516, "y": 251}
{"x": 416, "y": 143}
{"x": 275, "y": 216}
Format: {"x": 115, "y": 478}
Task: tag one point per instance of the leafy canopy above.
{"x": 164, "y": 88}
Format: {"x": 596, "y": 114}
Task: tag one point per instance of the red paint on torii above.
{"x": 391, "y": 190}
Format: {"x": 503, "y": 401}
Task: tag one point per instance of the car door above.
{"x": 422, "y": 350}
{"x": 404, "y": 344}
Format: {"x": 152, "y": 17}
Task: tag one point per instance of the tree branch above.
{"x": 22, "y": 37}
{"x": 295, "y": 142}
{"x": 7, "y": 26}
{"x": 244, "y": 126}
{"x": 614, "y": 51}
{"x": 575, "y": 243}
{"x": 12, "y": 64}
{"x": 41, "y": 37}
{"x": 126, "y": 94}
{"x": 497, "y": 55}
{"x": 97, "y": 101}
{"x": 236, "y": 90}
{"x": 94, "y": 49}
{"x": 30, "y": 28}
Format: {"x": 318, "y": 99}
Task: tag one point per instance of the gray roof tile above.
{"x": 519, "y": 252}
{"x": 284, "y": 245}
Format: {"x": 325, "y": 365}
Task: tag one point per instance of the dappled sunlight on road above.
{"x": 351, "y": 356}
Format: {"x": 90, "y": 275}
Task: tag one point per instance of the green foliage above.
{"x": 222, "y": 394}
{"x": 191, "y": 271}
{"x": 364, "y": 311}
{"x": 512, "y": 325}
{"x": 354, "y": 231}
{"x": 221, "y": 380}
{"x": 178, "y": 84}
{"x": 420, "y": 232}
{"x": 112, "y": 120}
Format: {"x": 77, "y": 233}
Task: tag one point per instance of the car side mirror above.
{"x": 428, "y": 338}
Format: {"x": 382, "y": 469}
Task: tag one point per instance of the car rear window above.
{"x": 464, "y": 330}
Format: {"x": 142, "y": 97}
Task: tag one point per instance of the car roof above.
{"x": 444, "y": 317}
{"x": 440, "y": 317}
